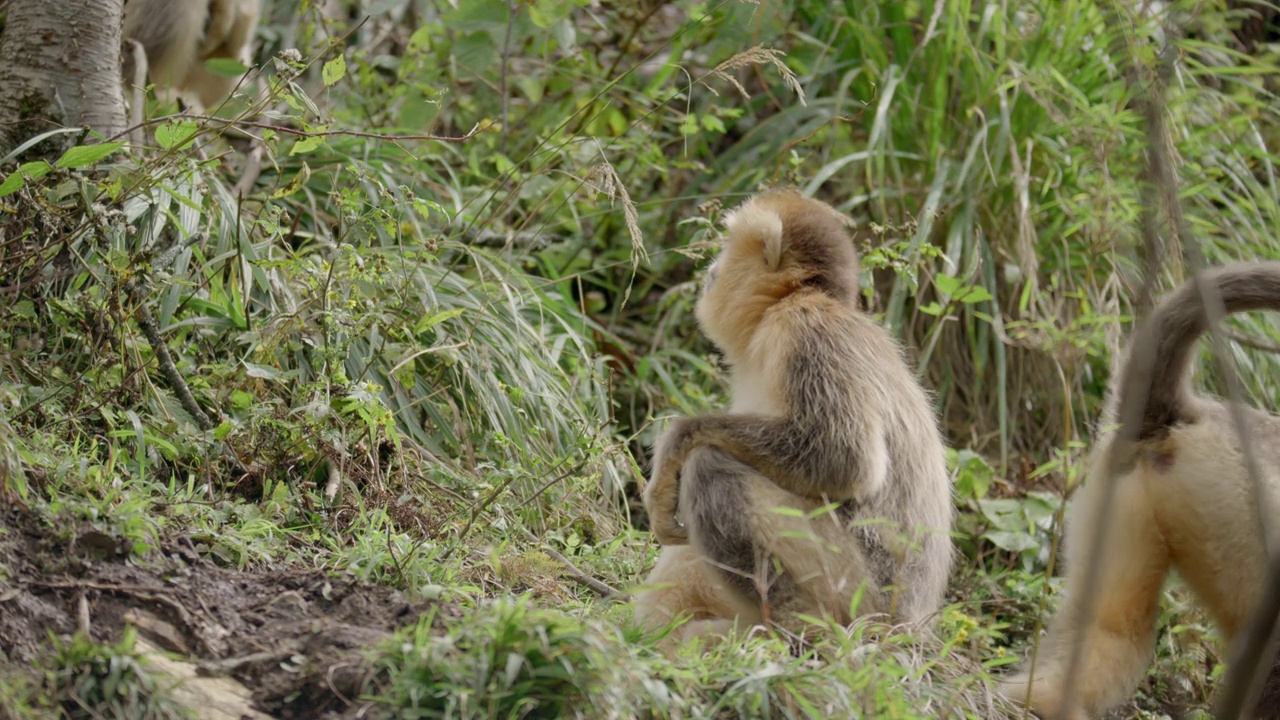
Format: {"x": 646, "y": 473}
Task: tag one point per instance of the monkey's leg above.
{"x": 682, "y": 583}
{"x": 1117, "y": 642}
{"x": 784, "y": 563}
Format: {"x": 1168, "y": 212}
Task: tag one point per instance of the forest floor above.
{"x": 252, "y": 627}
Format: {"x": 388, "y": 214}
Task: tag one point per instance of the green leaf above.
{"x": 35, "y": 170}
{"x": 298, "y": 99}
{"x": 175, "y": 134}
{"x": 713, "y": 123}
{"x": 12, "y": 184}
{"x": 433, "y": 320}
{"x": 946, "y": 284}
{"x": 487, "y": 15}
{"x": 544, "y": 13}
{"x": 226, "y": 67}
{"x": 262, "y": 371}
{"x": 334, "y": 70}
{"x": 83, "y": 155}
{"x": 974, "y": 476}
{"x": 426, "y": 207}
{"x": 822, "y": 511}
{"x": 1011, "y": 541}
{"x": 973, "y": 294}
{"x": 306, "y": 145}
{"x": 223, "y": 430}
{"x": 295, "y": 184}
{"x": 475, "y": 51}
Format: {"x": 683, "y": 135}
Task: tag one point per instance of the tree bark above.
{"x": 59, "y": 67}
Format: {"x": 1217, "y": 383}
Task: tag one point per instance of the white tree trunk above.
{"x": 60, "y": 67}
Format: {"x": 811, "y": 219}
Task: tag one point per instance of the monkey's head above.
{"x": 777, "y": 244}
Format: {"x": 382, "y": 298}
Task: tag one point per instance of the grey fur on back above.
{"x": 918, "y": 494}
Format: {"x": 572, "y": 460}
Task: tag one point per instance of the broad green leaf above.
{"x": 946, "y": 284}
{"x": 973, "y": 294}
{"x": 12, "y": 184}
{"x": 1012, "y": 541}
{"x": 334, "y": 70}
{"x": 306, "y": 145}
{"x": 433, "y": 320}
{"x": 262, "y": 371}
{"x": 83, "y": 155}
{"x": 226, "y": 67}
{"x": 223, "y": 430}
{"x": 295, "y": 184}
{"x": 176, "y": 134}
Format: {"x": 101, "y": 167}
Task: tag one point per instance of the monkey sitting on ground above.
{"x": 825, "y": 482}
{"x": 178, "y": 36}
{"x": 1183, "y": 500}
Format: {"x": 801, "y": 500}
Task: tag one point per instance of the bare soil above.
{"x": 295, "y": 638}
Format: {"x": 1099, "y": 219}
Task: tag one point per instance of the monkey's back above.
{"x": 859, "y": 364}
{"x": 918, "y": 494}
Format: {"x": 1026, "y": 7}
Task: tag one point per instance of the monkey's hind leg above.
{"x": 769, "y": 548}
{"x": 1119, "y": 638}
{"x": 682, "y": 584}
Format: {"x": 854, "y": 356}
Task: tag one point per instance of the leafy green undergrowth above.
{"x": 512, "y": 660}
{"x": 86, "y": 680}
{"x": 429, "y": 341}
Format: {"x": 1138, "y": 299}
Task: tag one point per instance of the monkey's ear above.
{"x": 761, "y": 223}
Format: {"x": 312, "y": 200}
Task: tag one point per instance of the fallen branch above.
{"x": 602, "y": 588}
{"x": 177, "y": 383}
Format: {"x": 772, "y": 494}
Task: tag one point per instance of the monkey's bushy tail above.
{"x": 1172, "y": 329}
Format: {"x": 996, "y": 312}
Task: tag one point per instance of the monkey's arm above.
{"x": 815, "y": 456}
{"x": 661, "y": 494}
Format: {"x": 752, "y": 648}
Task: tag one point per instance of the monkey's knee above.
{"x": 671, "y": 589}
{"x": 681, "y": 585}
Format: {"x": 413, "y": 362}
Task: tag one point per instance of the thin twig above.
{"x": 483, "y": 505}
{"x": 547, "y": 485}
{"x": 83, "y": 623}
{"x": 226, "y": 666}
{"x": 478, "y": 509}
{"x": 602, "y": 588}
{"x": 177, "y": 383}
{"x": 285, "y": 129}
{"x": 1251, "y": 342}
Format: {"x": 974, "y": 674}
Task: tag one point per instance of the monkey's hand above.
{"x": 662, "y": 493}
